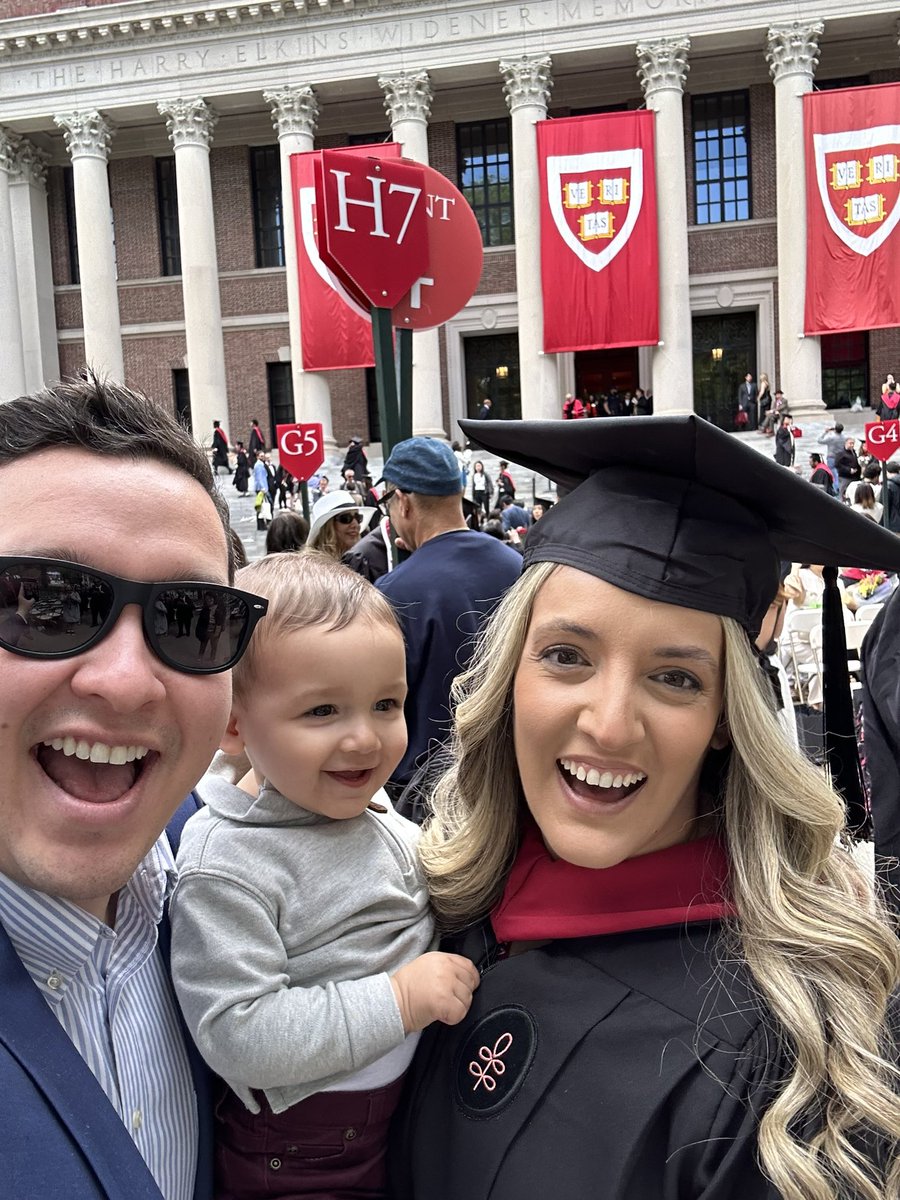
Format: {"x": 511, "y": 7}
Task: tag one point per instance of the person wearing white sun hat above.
{"x": 337, "y": 521}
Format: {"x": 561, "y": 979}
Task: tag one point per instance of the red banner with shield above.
{"x": 599, "y": 256}
{"x": 335, "y": 328}
{"x": 852, "y": 140}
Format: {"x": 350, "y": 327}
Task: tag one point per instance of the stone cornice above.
{"x": 527, "y": 80}
{"x": 794, "y": 49}
{"x": 133, "y": 22}
{"x": 407, "y": 95}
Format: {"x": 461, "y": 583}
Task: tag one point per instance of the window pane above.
{"x": 167, "y": 206}
{"x": 483, "y": 157}
{"x": 721, "y": 152}
{"x": 268, "y": 225}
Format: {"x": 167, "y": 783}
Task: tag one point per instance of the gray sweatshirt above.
{"x": 286, "y": 926}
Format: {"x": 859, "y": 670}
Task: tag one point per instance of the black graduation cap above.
{"x": 676, "y": 510}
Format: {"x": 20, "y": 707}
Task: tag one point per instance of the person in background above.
{"x": 482, "y": 487}
{"x": 337, "y": 522}
{"x": 746, "y": 403}
{"x": 506, "y": 485}
{"x": 846, "y": 465}
{"x": 288, "y": 531}
{"x": 821, "y": 475}
{"x": 864, "y": 502}
{"x": 833, "y": 440}
{"x": 513, "y": 516}
{"x": 763, "y": 398}
{"x": 355, "y": 460}
{"x": 484, "y": 413}
{"x": 890, "y": 496}
{"x": 784, "y": 442}
{"x": 256, "y": 443}
{"x": 572, "y": 409}
{"x": 241, "y": 469}
{"x": 443, "y": 592}
{"x": 871, "y": 474}
{"x": 219, "y": 448}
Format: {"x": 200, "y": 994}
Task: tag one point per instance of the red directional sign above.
{"x": 372, "y": 215}
{"x": 301, "y": 449}
{"x": 456, "y": 256}
{"x": 883, "y": 438}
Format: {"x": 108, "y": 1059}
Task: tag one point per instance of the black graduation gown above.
{"x": 624, "y": 1067}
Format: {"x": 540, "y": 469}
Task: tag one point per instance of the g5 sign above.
{"x": 300, "y": 449}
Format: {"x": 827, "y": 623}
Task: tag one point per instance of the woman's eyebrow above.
{"x": 694, "y": 653}
{"x": 548, "y": 628}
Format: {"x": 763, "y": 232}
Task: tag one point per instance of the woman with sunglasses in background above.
{"x": 338, "y": 519}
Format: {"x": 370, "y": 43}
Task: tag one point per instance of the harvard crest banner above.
{"x": 335, "y": 330}
{"x": 852, "y": 141}
{"x": 599, "y": 258}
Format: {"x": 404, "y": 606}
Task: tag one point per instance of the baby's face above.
{"x": 324, "y": 721}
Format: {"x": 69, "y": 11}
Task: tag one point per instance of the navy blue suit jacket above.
{"x": 62, "y": 1139}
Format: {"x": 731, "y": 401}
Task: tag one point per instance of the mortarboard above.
{"x": 673, "y": 509}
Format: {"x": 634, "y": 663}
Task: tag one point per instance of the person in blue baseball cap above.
{"x": 453, "y": 578}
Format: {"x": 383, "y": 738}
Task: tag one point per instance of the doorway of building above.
{"x": 598, "y": 371}
{"x": 724, "y": 351}
{"x": 492, "y": 371}
{"x": 845, "y": 368}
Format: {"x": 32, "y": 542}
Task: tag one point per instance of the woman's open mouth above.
{"x": 96, "y": 772}
{"x": 599, "y": 787}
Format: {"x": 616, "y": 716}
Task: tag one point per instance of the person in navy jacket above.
{"x": 104, "y": 729}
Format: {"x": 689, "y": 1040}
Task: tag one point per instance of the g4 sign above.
{"x": 883, "y": 438}
{"x": 373, "y": 217}
{"x": 300, "y": 449}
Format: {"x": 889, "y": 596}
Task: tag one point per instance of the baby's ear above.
{"x": 232, "y": 741}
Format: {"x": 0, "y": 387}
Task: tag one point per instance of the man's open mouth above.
{"x": 100, "y": 772}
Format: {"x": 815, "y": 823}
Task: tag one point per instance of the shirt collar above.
{"x": 46, "y": 930}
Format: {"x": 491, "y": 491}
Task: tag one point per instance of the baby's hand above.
{"x": 434, "y": 987}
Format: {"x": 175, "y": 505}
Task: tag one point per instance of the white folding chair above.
{"x": 855, "y": 634}
{"x": 868, "y": 612}
{"x": 796, "y": 636}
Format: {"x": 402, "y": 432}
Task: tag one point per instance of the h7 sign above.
{"x": 372, "y": 224}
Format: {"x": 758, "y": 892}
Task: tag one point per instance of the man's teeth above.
{"x": 97, "y": 752}
{"x": 603, "y": 779}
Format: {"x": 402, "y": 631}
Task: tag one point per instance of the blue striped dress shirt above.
{"x": 111, "y": 993}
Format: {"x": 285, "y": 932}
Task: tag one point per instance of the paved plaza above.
{"x": 528, "y": 485}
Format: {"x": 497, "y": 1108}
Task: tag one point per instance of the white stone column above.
{"x": 88, "y": 135}
{"x": 12, "y": 363}
{"x": 662, "y": 70}
{"x": 793, "y": 54}
{"x": 407, "y": 101}
{"x": 295, "y": 114}
{"x": 190, "y": 124}
{"x": 31, "y": 228}
{"x": 527, "y": 83}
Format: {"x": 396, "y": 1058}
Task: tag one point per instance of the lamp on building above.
{"x": 717, "y": 353}
{"x": 502, "y": 372}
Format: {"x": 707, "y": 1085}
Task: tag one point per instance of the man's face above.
{"x": 350, "y": 476}
{"x": 72, "y": 828}
{"x": 850, "y": 444}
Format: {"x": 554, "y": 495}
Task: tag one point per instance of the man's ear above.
{"x": 232, "y": 741}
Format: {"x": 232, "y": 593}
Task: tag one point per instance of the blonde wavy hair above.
{"x": 326, "y": 540}
{"x": 819, "y": 944}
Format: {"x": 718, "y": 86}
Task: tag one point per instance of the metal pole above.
{"x": 385, "y": 378}
{"x": 304, "y": 497}
{"x": 405, "y": 377}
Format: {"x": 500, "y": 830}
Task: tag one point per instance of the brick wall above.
{"x": 132, "y": 193}
{"x": 233, "y": 207}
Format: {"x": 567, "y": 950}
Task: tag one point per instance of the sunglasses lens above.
{"x": 199, "y": 629}
{"x": 46, "y": 608}
{"x": 349, "y": 518}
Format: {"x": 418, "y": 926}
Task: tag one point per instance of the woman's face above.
{"x": 347, "y": 533}
{"x": 617, "y": 700}
{"x": 479, "y": 468}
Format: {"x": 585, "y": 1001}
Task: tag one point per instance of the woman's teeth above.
{"x": 97, "y": 752}
{"x": 602, "y": 779}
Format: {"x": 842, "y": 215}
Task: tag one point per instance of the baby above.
{"x": 301, "y": 923}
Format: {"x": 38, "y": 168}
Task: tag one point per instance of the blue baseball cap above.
{"x": 423, "y": 465}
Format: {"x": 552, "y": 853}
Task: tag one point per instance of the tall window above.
{"x": 181, "y": 396}
{"x": 268, "y": 213}
{"x": 281, "y": 396}
{"x": 71, "y": 228}
{"x": 721, "y": 157}
{"x": 167, "y": 206}
{"x": 484, "y": 164}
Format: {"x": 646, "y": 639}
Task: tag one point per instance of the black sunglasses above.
{"x": 55, "y": 609}
{"x": 385, "y": 501}
{"x": 348, "y": 518}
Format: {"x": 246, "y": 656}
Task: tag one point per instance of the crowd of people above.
{"x": 410, "y": 863}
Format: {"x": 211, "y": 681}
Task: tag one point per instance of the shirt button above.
{"x": 54, "y": 981}
{"x": 275, "y": 1164}
{"x": 137, "y": 1119}
{"x": 349, "y": 1134}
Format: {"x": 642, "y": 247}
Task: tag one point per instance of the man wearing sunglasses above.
{"x": 107, "y": 720}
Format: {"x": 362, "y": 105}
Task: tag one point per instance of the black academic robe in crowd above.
{"x": 629, "y": 1066}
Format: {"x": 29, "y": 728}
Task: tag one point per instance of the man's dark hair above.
{"x": 872, "y": 471}
{"x": 288, "y": 531}
{"x": 838, "y": 429}
{"x": 106, "y": 418}
{"x": 815, "y": 459}
{"x": 893, "y": 468}
{"x": 215, "y": 424}
{"x": 506, "y": 501}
